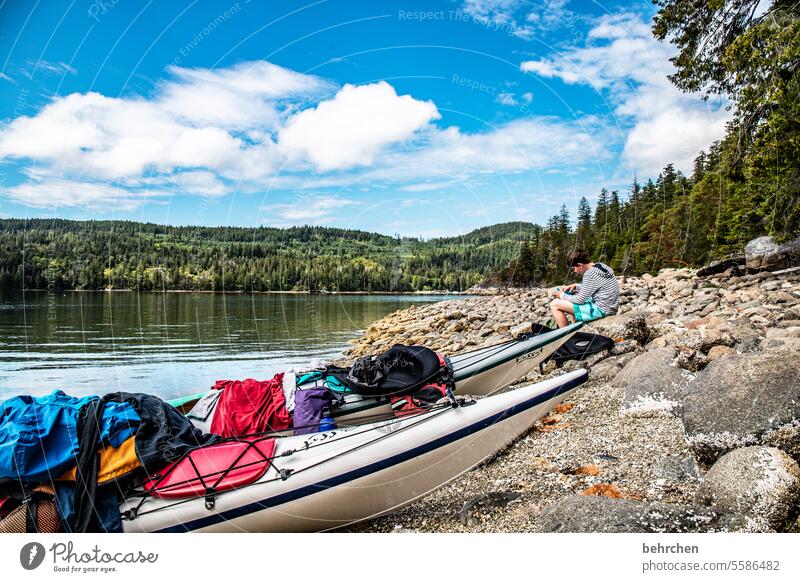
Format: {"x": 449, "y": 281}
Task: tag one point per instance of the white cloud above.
{"x": 201, "y": 183}
{"x": 625, "y": 62}
{"x": 264, "y": 135}
{"x": 66, "y": 193}
{"x": 426, "y": 186}
{"x": 674, "y": 136}
{"x": 245, "y": 96}
{"x": 308, "y": 209}
{"x": 506, "y": 99}
{"x": 521, "y": 145}
{"x": 354, "y": 126}
{"x": 521, "y": 18}
{"x": 58, "y": 69}
{"x": 7, "y": 78}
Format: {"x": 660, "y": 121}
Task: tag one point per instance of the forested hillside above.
{"x": 62, "y": 254}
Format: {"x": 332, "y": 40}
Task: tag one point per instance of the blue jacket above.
{"x": 39, "y": 436}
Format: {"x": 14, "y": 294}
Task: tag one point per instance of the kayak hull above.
{"x": 357, "y": 473}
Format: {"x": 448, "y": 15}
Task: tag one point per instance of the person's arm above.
{"x": 591, "y": 283}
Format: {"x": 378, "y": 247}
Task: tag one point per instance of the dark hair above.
{"x": 578, "y": 257}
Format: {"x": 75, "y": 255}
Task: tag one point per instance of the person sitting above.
{"x": 595, "y": 297}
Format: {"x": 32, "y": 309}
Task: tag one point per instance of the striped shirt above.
{"x": 599, "y": 285}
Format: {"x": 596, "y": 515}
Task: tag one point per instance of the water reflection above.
{"x": 171, "y": 344}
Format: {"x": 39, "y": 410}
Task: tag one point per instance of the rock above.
{"x": 501, "y": 328}
{"x": 744, "y": 334}
{"x": 676, "y": 469}
{"x": 630, "y": 326}
{"x": 784, "y": 344}
{"x": 580, "y": 514}
{"x": 520, "y": 329}
{"x": 718, "y": 351}
{"x": 744, "y": 399}
{"x": 606, "y": 370}
{"x": 776, "y": 332}
{"x": 474, "y": 506}
{"x": 625, "y": 347}
{"x": 653, "y": 382}
{"x": 762, "y": 482}
{"x": 720, "y": 266}
{"x": 763, "y": 253}
{"x": 704, "y": 323}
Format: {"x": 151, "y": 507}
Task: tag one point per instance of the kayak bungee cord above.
{"x": 282, "y": 474}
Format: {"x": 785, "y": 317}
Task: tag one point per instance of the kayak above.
{"x": 331, "y": 479}
{"x": 480, "y": 372}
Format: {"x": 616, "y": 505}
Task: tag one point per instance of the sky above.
{"x": 422, "y": 119}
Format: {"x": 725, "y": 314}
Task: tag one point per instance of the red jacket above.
{"x": 250, "y": 406}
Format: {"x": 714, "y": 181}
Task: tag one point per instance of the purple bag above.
{"x": 308, "y": 407}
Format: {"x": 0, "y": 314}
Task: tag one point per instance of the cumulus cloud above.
{"x": 520, "y": 145}
{"x": 246, "y": 96}
{"x": 350, "y": 129}
{"x": 625, "y": 62}
{"x": 256, "y": 127}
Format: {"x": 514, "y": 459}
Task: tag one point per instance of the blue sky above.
{"x": 419, "y": 118}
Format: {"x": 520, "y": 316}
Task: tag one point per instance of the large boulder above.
{"x": 744, "y": 399}
{"x": 764, "y": 254}
{"x": 629, "y": 326}
{"x": 762, "y": 482}
{"x": 653, "y": 382}
{"x": 579, "y": 514}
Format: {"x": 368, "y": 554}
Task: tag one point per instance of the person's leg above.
{"x": 560, "y": 308}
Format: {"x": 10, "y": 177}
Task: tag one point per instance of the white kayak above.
{"x": 331, "y": 479}
{"x": 480, "y": 372}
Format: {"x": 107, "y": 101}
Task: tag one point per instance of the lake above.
{"x": 172, "y": 344}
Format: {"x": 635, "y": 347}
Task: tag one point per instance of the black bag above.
{"x": 400, "y": 370}
{"x": 579, "y": 347}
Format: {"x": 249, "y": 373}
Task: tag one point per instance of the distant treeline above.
{"x": 746, "y": 185}
{"x": 64, "y": 254}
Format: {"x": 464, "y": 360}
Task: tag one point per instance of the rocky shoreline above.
{"x": 690, "y": 423}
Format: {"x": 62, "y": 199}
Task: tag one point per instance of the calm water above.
{"x": 172, "y": 344}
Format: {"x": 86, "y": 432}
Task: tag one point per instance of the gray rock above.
{"x": 627, "y": 325}
{"x": 782, "y": 343}
{"x": 764, "y": 253}
{"x": 520, "y": 329}
{"x": 762, "y": 482}
{"x": 484, "y": 503}
{"x": 744, "y": 399}
{"x": 608, "y": 369}
{"x": 676, "y": 469}
{"x": 719, "y": 351}
{"x": 580, "y": 514}
{"x": 653, "y": 381}
{"x": 625, "y": 347}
